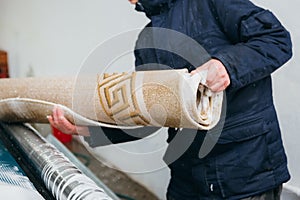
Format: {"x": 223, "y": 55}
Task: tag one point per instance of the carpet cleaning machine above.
{"x": 33, "y": 168}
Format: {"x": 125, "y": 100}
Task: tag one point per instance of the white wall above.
{"x": 287, "y": 85}
{"x": 54, "y": 37}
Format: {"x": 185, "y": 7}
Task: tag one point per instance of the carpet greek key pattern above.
{"x": 118, "y": 98}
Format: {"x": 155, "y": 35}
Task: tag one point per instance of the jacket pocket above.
{"x": 246, "y": 168}
{"x": 242, "y": 129}
{"x": 258, "y": 24}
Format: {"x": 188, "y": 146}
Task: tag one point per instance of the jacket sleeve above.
{"x": 260, "y": 44}
{"x": 102, "y": 136}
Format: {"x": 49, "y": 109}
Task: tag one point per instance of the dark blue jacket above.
{"x": 249, "y": 157}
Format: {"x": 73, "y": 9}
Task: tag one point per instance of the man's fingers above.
{"x": 58, "y": 114}
{"x": 219, "y": 86}
{"x": 64, "y": 122}
{"x": 51, "y": 121}
{"x": 59, "y": 121}
{"x": 59, "y": 111}
{"x": 66, "y": 126}
{"x": 54, "y": 114}
{"x": 205, "y": 66}
{"x": 194, "y": 72}
{"x": 217, "y": 78}
{"x": 133, "y": 1}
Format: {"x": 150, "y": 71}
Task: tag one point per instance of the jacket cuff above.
{"x": 102, "y": 136}
{"x": 230, "y": 70}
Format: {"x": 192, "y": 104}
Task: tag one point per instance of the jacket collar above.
{"x": 154, "y": 7}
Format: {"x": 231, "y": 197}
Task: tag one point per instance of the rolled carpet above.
{"x": 166, "y": 98}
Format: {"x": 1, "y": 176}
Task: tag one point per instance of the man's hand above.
{"x": 133, "y": 1}
{"x": 217, "y": 77}
{"x": 59, "y": 121}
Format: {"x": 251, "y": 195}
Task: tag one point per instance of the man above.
{"x": 246, "y": 44}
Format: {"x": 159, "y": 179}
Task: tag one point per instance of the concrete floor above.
{"x": 117, "y": 181}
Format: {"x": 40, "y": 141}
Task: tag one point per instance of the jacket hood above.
{"x": 153, "y": 7}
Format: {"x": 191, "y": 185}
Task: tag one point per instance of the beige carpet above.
{"x": 169, "y": 98}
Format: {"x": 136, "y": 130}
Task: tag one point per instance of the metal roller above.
{"x": 60, "y": 176}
